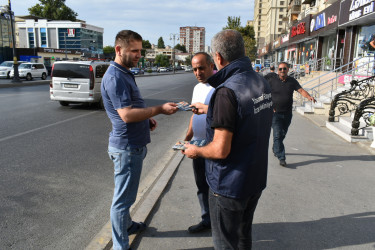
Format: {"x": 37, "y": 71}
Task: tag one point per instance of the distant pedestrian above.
{"x": 271, "y": 74}
{"x": 238, "y": 127}
{"x": 257, "y": 69}
{"x": 131, "y": 124}
{"x": 283, "y": 87}
{"x": 203, "y": 67}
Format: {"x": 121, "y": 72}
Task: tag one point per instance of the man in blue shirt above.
{"x": 131, "y": 124}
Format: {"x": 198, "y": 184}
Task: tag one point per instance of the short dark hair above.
{"x": 272, "y": 68}
{"x": 287, "y": 65}
{"x": 124, "y": 37}
{"x": 208, "y": 57}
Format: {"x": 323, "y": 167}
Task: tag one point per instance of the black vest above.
{"x": 244, "y": 172}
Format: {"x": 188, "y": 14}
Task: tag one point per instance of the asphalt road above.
{"x": 56, "y": 179}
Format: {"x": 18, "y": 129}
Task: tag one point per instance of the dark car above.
{"x": 137, "y": 71}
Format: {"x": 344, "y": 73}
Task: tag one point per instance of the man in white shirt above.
{"x": 203, "y": 67}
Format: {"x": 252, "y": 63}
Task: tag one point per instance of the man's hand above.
{"x": 169, "y": 108}
{"x": 312, "y": 99}
{"x": 199, "y": 108}
{"x": 190, "y": 151}
{"x": 153, "y": 124}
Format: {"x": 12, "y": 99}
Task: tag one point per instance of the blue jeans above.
{"x": 202, "y": 193}
{"x": 127, "y": 172}
{"x": 280, "y": 125}
{"x": 231, "y": 221}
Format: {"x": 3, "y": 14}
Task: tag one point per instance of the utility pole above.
{"x": 173, "y": 36}
{"x": 16, "y": 78}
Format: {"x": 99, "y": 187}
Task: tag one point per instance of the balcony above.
{"x": 295, "y": 9}
{"x": 294, "y": 3}
{"x": 311, "y": 11}
{"x": 330, "y": 1}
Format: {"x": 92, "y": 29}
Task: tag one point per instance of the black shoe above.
{"x": 283, "y": 163}
{"x": 199, "y": 227}
{"x": 136, "y": 227}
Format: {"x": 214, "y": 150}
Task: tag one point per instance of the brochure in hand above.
{"x": 184, "y": 106}
{"x": 180, "y": 144}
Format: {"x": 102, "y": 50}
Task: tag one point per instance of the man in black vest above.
{"x": 283, "y": 87}
{"x": 238, "y": 127}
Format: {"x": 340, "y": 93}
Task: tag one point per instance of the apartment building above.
{"x": 194, "y": 38}
{"x": 268, "y": 20}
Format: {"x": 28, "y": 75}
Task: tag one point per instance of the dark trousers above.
{"x": 202, "y": 193}
{"x": 280, "y": 126}
{"x": 231, "y": 221}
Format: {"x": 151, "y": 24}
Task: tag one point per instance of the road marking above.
{"x": 46, "y": 126}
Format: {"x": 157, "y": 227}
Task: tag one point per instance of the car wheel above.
{"x": 29, "y": 77}
{"x": 44, "y": 76}
{"x": 8, "y": 75}
{"x": 63, "y": 103}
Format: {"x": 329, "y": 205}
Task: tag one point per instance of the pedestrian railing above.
{"x": 348, "y": 100}
{"x": 365, "y": 110}
{"x": 330, "y": 81}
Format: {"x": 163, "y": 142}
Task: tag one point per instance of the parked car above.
{"x": 163, "y": 69}
{"x": 188, "y": 68}
{"x": 6, "y": 67}
{"x": 137, "y": 71}
{"x": 154, "y": 69}
{"x": 31, "y": 70}
{"x": 77, "y": 82}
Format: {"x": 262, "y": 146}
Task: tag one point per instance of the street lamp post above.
{"x": 173, "y": 36}
{"x": 16, "y": 78}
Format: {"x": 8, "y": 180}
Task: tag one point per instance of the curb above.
{"x": 142, "y": 207}
{"x": 23, "y": 84}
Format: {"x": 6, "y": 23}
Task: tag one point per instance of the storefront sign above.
{"x": 71, "y": 32}
{"x": 325, "y": 20}
{"x": 355, "y": 9}
{"x": 298, "y": 30}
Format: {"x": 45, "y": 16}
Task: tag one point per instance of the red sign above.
{"x": 298, "y": 30}
{"x": 71, "y": 32}
{"x": 332, "y": 19}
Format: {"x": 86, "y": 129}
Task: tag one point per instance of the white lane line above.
{"x": 46, "y": 126}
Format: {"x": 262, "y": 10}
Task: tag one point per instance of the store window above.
{"x": 307, "y": 52}
{"x": 365, "y": 35}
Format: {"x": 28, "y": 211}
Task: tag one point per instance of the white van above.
{"x": 77, "y": 81}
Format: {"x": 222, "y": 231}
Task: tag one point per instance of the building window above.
{"x": 43, "y": 37}
{"x": 280, "y": 23}
{"x": 280, "y": 29}
{"x": 30, "y": 32}
{"x": 281, "y": 9}
{"x": 280, "y": 16}
{"x": 282, "y": 3}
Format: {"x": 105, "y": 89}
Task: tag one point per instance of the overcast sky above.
{"x": 152, "y": 18}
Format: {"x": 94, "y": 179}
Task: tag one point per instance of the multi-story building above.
{"x": 268, "y": 20}
{"x": 193, "y": 38}
{"x": 66, "y": 39}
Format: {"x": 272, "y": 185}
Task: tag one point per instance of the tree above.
{"x": 146, "y": 44}
{"x": 161, "y": 43}
{"x": 108, "y": 49}
{"x": 53, "y": 9}
{"x": 188, "y": 60}
{"x": 180, "y": 47}
{"x": 247, "y": 33}
{"x": 162, "y": 60}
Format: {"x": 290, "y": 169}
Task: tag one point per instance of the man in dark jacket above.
{"x": 239, "y": 121}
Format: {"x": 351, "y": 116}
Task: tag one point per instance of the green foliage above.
{"x": 162, "y": 60}
{"x": 247, "y": 33}
{"x": 188, "y": 60}
{"x": 108, "y": 49}
{"x": 53, "y": 9}
{"x": 146, "y": 44}
{"x": 372, "y": 120}
{"x": 180, "y": 47}
{"x": 161, "y": 43}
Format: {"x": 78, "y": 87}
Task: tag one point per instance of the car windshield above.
{"x": 70, "y": 70}
{"x": 135, "y": 68}
{"x": 6, "y": 64}
{"x": 25, "y": 66}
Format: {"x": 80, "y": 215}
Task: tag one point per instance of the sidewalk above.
{"x": 7, "y": 83}
{"x": 323, "y": 199}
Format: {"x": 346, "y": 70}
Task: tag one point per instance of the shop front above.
{"x": 357, "y": 18}
{"x": 298, "y": 52}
